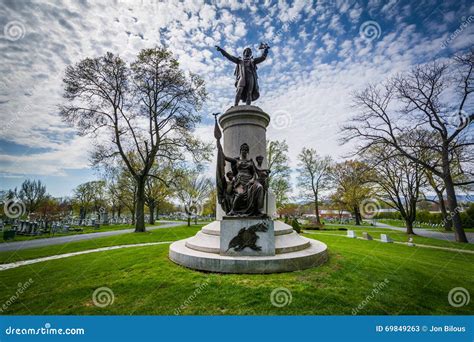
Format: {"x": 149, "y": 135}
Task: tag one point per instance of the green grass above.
{"x": 144, "y": 281}
{"x": 85, "y": 230}
{"x": 163, "y": 234}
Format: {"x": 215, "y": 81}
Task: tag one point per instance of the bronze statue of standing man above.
{"x": 246, "y": 79}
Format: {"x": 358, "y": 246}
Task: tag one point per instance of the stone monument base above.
{"x": 292, "y": 252}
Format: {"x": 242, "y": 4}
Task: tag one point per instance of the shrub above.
{"x": 296, "y": 225}
{"x": 312, "y": 227}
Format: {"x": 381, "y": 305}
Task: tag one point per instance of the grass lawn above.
{"x": 164, "y": 234}
{"x": 85, "y": 230}
{"x": 144, "y": 281}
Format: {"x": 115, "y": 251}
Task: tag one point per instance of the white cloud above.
{"x": 301, "y": 75}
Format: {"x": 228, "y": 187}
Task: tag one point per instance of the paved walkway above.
{"x": 19, "y": 245}
{"x": 16, "y": 264}
{"x": 428, "y": 233}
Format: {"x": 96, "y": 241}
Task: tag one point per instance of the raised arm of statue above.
{"x": 231, "y": 58}
{"x": 262, "y": 57}
{"x": 228, "y": 159}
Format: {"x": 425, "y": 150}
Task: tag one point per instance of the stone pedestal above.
{"x": 246, "y": 124}
{"x": 247, "y": 236}
{"x": 292, "y": 252}
{"x": 241, "y": 244}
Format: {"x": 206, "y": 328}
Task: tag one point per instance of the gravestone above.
{"x": 55, "y": 227}
{"x": 9, "y": 235}
{"x": 366, "y": 236}
{"x": 351, "y": 234}
{"x": 34, "y": 228}
{"x": 385, "y": 238}
{"x": 410, "y": 242}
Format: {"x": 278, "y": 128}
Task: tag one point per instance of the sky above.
{"x": 321, "y": 52}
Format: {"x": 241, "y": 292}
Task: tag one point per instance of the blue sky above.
{"x": 320, "y": 52}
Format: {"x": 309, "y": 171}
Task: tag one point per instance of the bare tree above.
{"x": 157, "y": 191}
{"x": 400, "y": 181}
{"x": 314, "y": 176}
{"x": 83, "y": 196}
{"x": 192, "y": 190}
{"x": 432, "y": 98}
{"x": 437, "y": 185}
{"x": 279, "y": 178}
{"x": 32, "y": 193}
{"x": 137, "y": 113}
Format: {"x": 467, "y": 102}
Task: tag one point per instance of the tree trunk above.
{"x": 189, "y": 220}
{"x": 454, "y": 209}
{"x": 151, "y": 207}
{"x": 357, "y": 215}
{"x": 451, "y": 197}
{"x": 316, "y": 211}
{"x": 448, "y": 224}
{"x": 409, "y": 225}
{"x": 140, "y": 206}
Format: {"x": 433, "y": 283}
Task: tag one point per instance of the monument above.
{"x": 245, "y": 238}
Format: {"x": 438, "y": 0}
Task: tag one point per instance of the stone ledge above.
{"x": 244, "y": 115}
{"x": 214, "y": 228}
{"x": 316, "y": 254}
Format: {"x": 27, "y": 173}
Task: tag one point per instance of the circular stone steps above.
{"x": 293, "y": 252}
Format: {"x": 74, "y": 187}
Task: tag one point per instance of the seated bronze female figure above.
{"x": 248, "y": 193}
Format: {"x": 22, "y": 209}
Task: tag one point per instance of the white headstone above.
{"x": 385, "y": 238}
{"x": 351, "y": 234}
{"x": 410, "y": 242}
